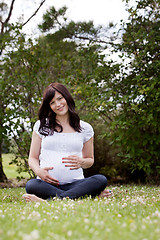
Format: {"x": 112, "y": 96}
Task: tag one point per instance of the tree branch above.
{"x": 93, "y": 39}
{"x": 34, "y": 13}
{"x": 10, "y": 12}
{"x": 8, "y": 18}
{"x": 83, "y": 37}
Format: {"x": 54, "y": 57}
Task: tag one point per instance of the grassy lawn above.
{"x": 133, "y": 212}
{"x": 11, "y": 170}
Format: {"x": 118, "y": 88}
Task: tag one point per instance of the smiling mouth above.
{"x": 60, "y": 109}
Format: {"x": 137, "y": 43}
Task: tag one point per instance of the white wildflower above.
{"x": 86, "y": 220}
{"x": 91, "y": 230}
{"x": 69, "y": 233}
{"x": 34, "y": 234}
{"x": 37, "y": 204}
{"x": 23, "y": 218}
{"x": 124, "y": 205}
{"x": 10, "y": 233}
{"x": 124, "y": 225}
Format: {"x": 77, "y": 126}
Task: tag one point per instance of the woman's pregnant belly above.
{"x": 60, "y": 172}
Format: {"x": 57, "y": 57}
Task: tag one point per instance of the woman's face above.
{"x": 59, "y": 104}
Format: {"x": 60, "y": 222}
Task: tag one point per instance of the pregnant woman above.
{"x": 61, "y": 147}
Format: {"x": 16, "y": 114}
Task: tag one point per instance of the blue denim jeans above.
{"x": 91, "y": 186}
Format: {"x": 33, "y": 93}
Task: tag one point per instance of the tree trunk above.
{"x": 2, "y": 174}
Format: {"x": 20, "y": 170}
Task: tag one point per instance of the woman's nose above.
{"x": 57, "y": 103}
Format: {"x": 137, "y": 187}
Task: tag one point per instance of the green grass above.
{"x": 11, "y": 169}
{"x": 132, "y": 213}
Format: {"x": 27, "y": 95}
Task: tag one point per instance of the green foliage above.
{"x": 105, "y": 155}
{"x": 51, "y": 18}
{"x": 55, "y": 22}
{"x": 137, "y": 122}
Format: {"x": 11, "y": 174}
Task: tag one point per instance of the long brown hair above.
{"x": 46, "y": 115}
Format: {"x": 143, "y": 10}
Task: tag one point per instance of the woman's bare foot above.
{"x": 32, "y": 198}
{"x": 105, "y": 193}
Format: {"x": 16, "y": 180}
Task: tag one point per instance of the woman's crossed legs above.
{"x": 38, "y": 190}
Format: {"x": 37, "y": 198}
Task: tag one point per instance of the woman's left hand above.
{"x": 73, "y": 162}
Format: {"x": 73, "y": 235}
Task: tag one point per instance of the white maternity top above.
{"x": 55, "y": 147}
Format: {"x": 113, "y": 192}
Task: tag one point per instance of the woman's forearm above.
{"x": 34, "y": 165}
{"x": 87, "y": 162}
{"x": 75, "y": 162}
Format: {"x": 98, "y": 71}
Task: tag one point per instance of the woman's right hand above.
{"x": 34, "y": 161}
{"x": 45, "y": 176}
